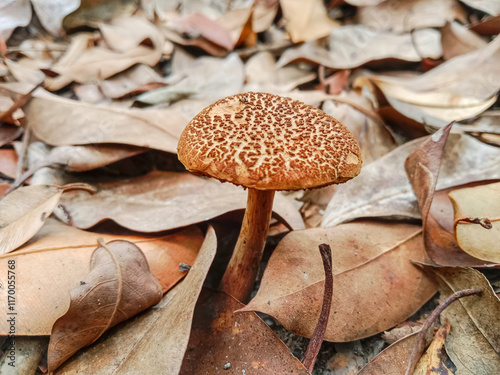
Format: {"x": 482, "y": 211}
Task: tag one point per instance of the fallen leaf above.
{"x": 119, "y": 286}
{"x": 3, "y": 188}
{"x": 8, "y": 162}
{"x": 458, "y": 40}
{"x": 433, "y": 360}
{"x": 478, "y": 238}
{"x": 489, "y": 26}
{"x": 465, "y": 159}
{"x": 371, "y": 263}
{"x": 12, "y": 15}
{"x": 51, "y": 13}
{"x": 405, "y": 16}
{"x": 392, "y": 360}
{"x": 98, "y": 63}
{"x": 473, "y": 343}
{"x": 351, "y": 46}
{"x": 491, "y": 7}
{"x": 306, "y": 21}
{"x": 222, "y": 339}
{"x": 58, "y": 258}
{"x": 458, "y": 89}
{"x": 24, "y": 212}
{"x": 155, "y": 342}
{"x": 207, "y": 78}
{"x": 28, "y": 352}
{"x": 165, "y": 200}
{"x": 124, "y": 83}
{"x": 48, "y": 114}
{"x": 9, "y": 133}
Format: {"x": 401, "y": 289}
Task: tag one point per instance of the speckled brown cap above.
{"x": 268, "y": 142}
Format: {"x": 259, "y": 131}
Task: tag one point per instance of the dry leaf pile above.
{"x": 111, "y": 253}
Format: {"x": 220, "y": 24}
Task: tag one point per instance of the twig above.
{"x": 420, "y": 343}
{"x": 20, "y": 102}
{"x": 30, "y": 172}
{"x": 319, "y": 332}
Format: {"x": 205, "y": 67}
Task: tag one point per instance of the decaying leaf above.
{"x": 354, "y": 45}
{"x": 477, "y": 220}
{"x": 8, "y": 162}
{"x": 155, "y": 342}
{"x": 48, "y": 114}
{"x": 473, "y": 343}
{"x": 432, "y": 362}
{"x": 375, "y": 284}
{"x": 383, "y": 189}
{"x": 119, "y": 286}
{"x": 165, "y": 200}
{"x": 24, "y": 211}
{"x": 58, "y": 258}
{"x": 238, "y": 343}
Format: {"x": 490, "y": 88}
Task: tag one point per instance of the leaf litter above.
{"x": 121, "y": 79}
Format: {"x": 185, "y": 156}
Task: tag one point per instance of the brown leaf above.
{"x": 432, "y": 362}
{"x": 48, "y": 115}
{"x": 165, "y": 200}
{"x": 477, "y": 220}
{"x": 465, "y": 159}
{"x": 375, "y": 284}
{"x": 239, "y": 342}
{"x": 351, "y": 46}
{"x": 458, "y": 40}
{"x": 9, "y": 133}
{"x": 473, "y": 343}
{"x": 8, "y": 162}
{"x": 58, "y": 258}
{"x": 155, "y": 342}
{"x": 119, "y": 286}
{"x": 24, "y": 211}
{"x": 423, "y": 166}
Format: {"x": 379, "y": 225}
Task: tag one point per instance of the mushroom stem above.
{"x": 244, "y": 264}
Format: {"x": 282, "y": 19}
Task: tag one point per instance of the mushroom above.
{"x": 265, "y": 143}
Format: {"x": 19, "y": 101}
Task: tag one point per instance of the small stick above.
{"x": 420, "y": 343}
{"x": 20, "y": 102}
{"x": 319, "y": 333}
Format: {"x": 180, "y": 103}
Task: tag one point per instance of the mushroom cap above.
{"x": 269, "y": 142}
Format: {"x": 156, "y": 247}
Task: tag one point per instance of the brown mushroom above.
{"x": 265, "y": 143}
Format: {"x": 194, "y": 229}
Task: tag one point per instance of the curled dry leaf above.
{"x": 354, "y": 45}
{"x": 52, "y": 12}
{"x": 406, "y": 16}
{"x": 24, "y": 212}
{"x": 464, "y": 160}
{"x": 58, "y": 258}
{"x": 458, "y": 89}
{"x": 490, "y": 7}
{"x": 155, "y": 342}
{"x": 12, "y": 15}
{"x": 371, "y": 263}
{"x": 48, "y": 114}
{"x": 124, "y": 83}
{"x": 477, "y": 220}
{"x": 119, "y": 286}
{"x": 165, "y": 200}
{"x": 473, "y": 343}
{"x": 242, "y": 340}
{"x": 458, "y": 40}
{"x": 306, "y": 21}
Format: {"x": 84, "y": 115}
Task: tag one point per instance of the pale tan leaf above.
{"x": 51, "y": 13}
{"x": 165, "y": 200}
{"x": 155, "y": 342}
{"x": 458, "y": 40}
{"x": 488, "y": 6}
{"x": 58, "y": 258}
{"x": 477, "y": 220}
{"x": 12, "y": 15}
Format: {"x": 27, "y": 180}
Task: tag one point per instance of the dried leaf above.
{"x": 477, "y": 220}
{"x": 432, "y": 362}
{"x": 155, "y": 342}
{"x": 12, "y": 15}
{"x": 124, "y": 83}
{"x": 9, "y": 133}
{"x": 58, "y": 258}
{"x": 371, "y": 264}
{"x": 404, "y": 16}
{"x": 48, "y": 114}
{"x": 491, "y": 7}
{"x": 119, "y": 286}
{"x": 8, "y": 162}
{"x": 165, "y": 200}
{"x": 465, "y": 159}
{"x": 458, "y": 40}
{"x": 473, "y": 343}
{"x": 306, "y": 21}
{"x": 239, "y": 343}
{"x": 24, "y": 212}
{"x": 51, "y": 13}
{"x": 351, "y": 46}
